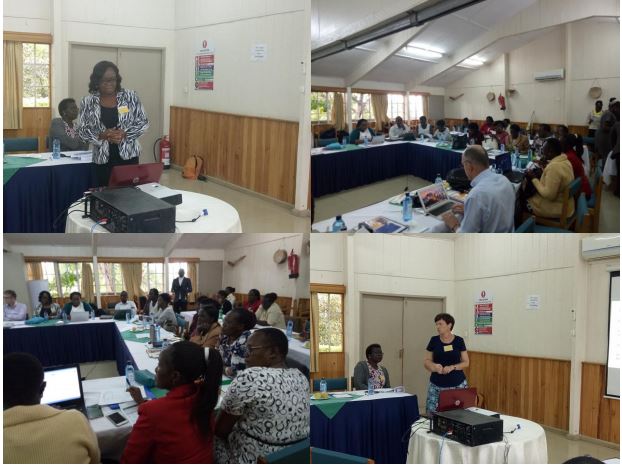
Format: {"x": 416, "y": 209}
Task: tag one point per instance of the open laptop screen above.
{"x": 431, "y": 195}
{"x": 62, "y": 385}
{"x": 134, "y": 175}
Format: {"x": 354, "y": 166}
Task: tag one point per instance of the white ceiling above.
{"x": 444, "y": 34}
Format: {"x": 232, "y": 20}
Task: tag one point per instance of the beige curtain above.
{"x": 192, "y": 275}
{"x": 315, "y": 347}
{"x": 338, "y": 112}
{"x": 426, "y": 105}
{"x": 380, "y": 105}
{"x": 34, "y": 271}
{"x": 132, "y": 276}
{"x": 88, "y": 291}
{"x": 13, "y": 85}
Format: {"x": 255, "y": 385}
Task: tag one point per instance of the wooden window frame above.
{"x": 333, "y": 289}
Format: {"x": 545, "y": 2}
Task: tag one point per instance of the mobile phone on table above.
{"x": 117, "y": 419}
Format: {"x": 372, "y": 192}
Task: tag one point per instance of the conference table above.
{"x": 337, "y": 170}
{"x": 526, "y": 445}
{"x": 371, "y": 426}
{"x": 38, "y": 190}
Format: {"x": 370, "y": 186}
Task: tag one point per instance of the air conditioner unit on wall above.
{"x": 552, "y": 75}
{"x": 596, "y": 247}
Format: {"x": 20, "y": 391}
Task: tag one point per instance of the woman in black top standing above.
{"x": 446, "y": 357}
{"x": 112, "y": 119}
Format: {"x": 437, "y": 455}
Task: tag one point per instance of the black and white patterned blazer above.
{"x": 132, "y": 120}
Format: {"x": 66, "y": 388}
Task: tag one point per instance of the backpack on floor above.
{"x": 192, "y": 167}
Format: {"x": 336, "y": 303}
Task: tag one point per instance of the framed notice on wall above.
{"x": 204, "y": 68}
{"x": 483, "y": 313}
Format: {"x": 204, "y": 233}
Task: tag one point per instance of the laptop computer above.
{"x": 460, "y": 398}
{"x": 377, "y": 140}
{"x": 434, "y": 200}
{"x": 133, "y": 175}
{"x": 63, "y": 388}
{"x": 79, "y": 316}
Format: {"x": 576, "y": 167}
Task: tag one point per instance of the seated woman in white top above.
{"x": 125, "y": 304}
{"x": 442, "y": 132}
{"x": 164, "y": 314}
{"x": 424, "y": 128}
{"x": 152, "y": 302}
{"x": 399, "y": 129}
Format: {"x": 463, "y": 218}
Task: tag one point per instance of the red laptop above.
{"x": 459, "y": 398}
{"x": 134, "y": 175}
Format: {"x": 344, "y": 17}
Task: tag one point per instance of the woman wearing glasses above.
{"x": 112, "y": 119}
{"x": 370, "y": 371}
{"x": 266, "y": 407}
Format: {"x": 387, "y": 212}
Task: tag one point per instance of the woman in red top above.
{"x": 573, "y": 148}
{"x": 254, "y": 301}
{"x": 178, "y": 428}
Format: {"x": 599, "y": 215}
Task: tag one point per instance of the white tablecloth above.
{"x": 526, "y": 445}
{"x": 221, "y": 218}
{"x": 429, "y": 143}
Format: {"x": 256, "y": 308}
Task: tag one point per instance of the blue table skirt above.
{"x": 35, "y": 196}
{"x": 331, "y": 173}
{"x": 371, "y": 429}
{"x": 70, "y": 344}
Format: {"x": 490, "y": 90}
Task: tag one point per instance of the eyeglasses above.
{"x": 109, "y": 80}
{"x": 250, "y": 349}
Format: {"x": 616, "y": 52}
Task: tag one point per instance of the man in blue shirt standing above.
{"x": 489, "y": 207}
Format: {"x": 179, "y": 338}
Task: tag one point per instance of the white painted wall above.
{"x": 258, "y": 269}
{"x": 27, "y": 16}
{"x": 14, "y": 276}
{"x": 328, "y": 259}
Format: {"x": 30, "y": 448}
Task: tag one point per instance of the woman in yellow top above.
{"x": 517, "y": 140}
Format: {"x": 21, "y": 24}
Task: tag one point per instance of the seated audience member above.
{"x": 371, "y": 370}
{"x": 202, "y": 302}
{"x": 544, "y": 133}
{"x": 12, "y": 309}
{"x": 501, "y": 135}
{"x": 152, "y": 302}
{"x": 487, "y": 127}
{"x": 76, "y": 304}
{"x": 62, "y": 128}
{"x": 573, "y": 148}
{"x": 361, "y": 131}
{"x": 475, "y": 137}
{"x": 230, "y": 295}
{"x": 442, "y": 132}
{"x": 234, "y": 334}
{"x": 266, "y": 408}
{"x": 36, "y": 433}
{"x": 507, "y": 124}
{"x": 225, "y": 304}
{"x": 125, "y": 304}
{"x": 549, "y": 197}
{"x": 207, "y": 333}
{"x": 517, "y": 140}
{"x": 562, "y": 131}
{"x": 178, "y": 428}
{"x": 46, "y": 306}
{"x": 253, "y": 301}
{"x": 585, "y": 459}
{"x": 465, "y": 125}
{"x": 399, "y": 129}
{"x": 270, "y": 313}
{"x": 489, "y": 207}
{"x": 424, "y": 128}
{"x": 164, "y": 315}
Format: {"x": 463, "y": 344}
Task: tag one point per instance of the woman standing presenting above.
{"x": 447, "y": 356}
{"x": 112, "y": 119}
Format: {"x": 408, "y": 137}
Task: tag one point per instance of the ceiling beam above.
{"x": 386, "y": 48}
{"x": 170, "y": 244}
{"x": 541, "y": 15}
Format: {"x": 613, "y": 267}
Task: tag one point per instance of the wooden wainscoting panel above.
{"x": 35, "y": 124}
{"x": 331, "y": 366}
{"x": 255, "y": 153}
{"x": 600, "y": 416}
{"x": 532, "y": 388}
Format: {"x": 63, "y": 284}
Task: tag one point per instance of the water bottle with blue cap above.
{"x": 438, "y": 179}
{"x": 323, "y": 386}
{"x": 128, "y": 316}
{"x": 56, "y": 148}
{"x": 290, "y": 329}
{"x": 370, "y": 386}
{"x": 129, "y": 374}
{"x": 407, "y": 207}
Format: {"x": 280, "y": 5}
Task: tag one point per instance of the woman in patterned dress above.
{"x": 233, "y": 339}
{"x": 266, "y": 407}
{"x": 371, "y": 369}
{"x": 63, "y": 129}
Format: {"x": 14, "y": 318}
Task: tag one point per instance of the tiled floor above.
{"x": 257, "y": 214}
{"x": 346, "y": 201}
{"x": 560, "y": 448}
{"x": 98, "y": 370}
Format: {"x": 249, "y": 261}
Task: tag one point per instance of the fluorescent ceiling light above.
{"x": 420, "y": 52}
{"x": 472, "y": 62}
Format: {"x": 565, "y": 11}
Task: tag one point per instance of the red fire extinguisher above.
{"x": 165, "y": 151}
{"x": 293, "y": 263}
{"x": 502, "y": 102}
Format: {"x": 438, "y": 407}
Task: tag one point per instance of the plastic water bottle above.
{"x": 344, "y": 141}
{"x": 370, "y": 386}
{"x": 46, "y": 315}
{"x": 157, "y": 333}
{"x": 64, "y": 317}
{"x": 407, "y": 208}
{"x": 530, "y": 155}
{"x": 129, "y": 374}
{"x": 128, "y": 316}
{"x": 91, "y": 315}
{"x": 221, "y": 317}
{"x": 438, "y": 179}
{"x": 365, "y": 141}
{"x": 422, "y": 137}
{"x": 502, "y": 147}
{"x": 339, "y": 225}
{"x": 290, "y": 329}
{"x": 323, "y": 386}
{"x": 56, "y": 148}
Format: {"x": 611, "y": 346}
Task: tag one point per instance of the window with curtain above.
{"x": 69, "y": 277}
{"x": 321, "y": 106}
{"x": 361, "y": 107}
{"x": 416, "y": 106}
{"x": 396, "y": 106}
{"x": 49, "y": 274}
{"x": 110, "y": 278}
{"x": 36, "y": 77}
{"x": 330, "y": 323}
{"x": 173, "y": 269}
{"x": 153, "y": 276}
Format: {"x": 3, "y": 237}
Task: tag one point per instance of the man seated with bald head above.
{"x": 489, "y": 207}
